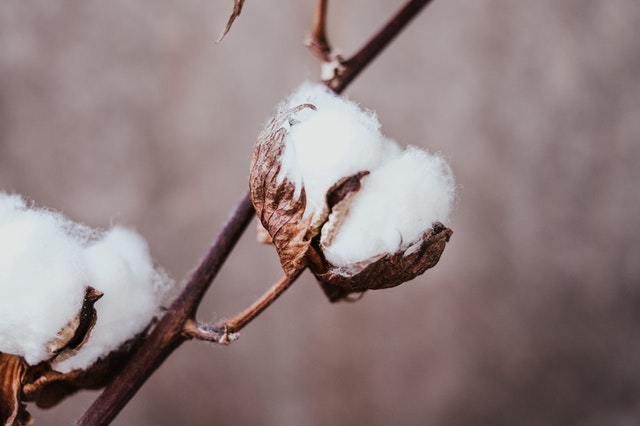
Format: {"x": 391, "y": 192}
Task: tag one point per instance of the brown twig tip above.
{"x": 347, "y": 70}
{"x": 237, "y": 9}
{"x": 318, "y": 42}
{"x": 216, "y": 333}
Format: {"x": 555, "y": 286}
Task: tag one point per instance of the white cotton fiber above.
{"x": 404, "y": 194}
{"x": 120, "y": 266}
{"x": 337, "y": 139}
{"x": 397, "y": 203}
{"x": 42, "y": 278}
{"x": 46, "y": 263}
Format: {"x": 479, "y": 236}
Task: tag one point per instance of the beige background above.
{"x": 127, "y": 111}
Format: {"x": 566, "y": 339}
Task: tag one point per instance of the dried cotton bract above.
{"x": 336, "y": 195}
{"x": 69, "y": 295}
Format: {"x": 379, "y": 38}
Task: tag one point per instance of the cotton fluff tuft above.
{"x": 397, "y": 203}
{"x": 46, "y": 263}
{"x": 119, "y": 265}
{"x": 404, "y": 194}
{"x": 337, "y": 139}
{"x": 42, "y": 279}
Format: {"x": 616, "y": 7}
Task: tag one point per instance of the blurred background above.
{"x": 128, "y": 112}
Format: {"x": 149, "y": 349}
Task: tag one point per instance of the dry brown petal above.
{"x": 276, "y": 204}
{"x": 72, "y": 336}
{"x": 388, "y": 271}
{"x": 383, "y": 271}
{"x": 12, "y": 373}
{"x": 262, "y": 235}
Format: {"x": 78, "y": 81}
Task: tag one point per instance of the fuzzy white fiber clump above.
{"x": 46, "y": 263}
{"x": 404, "y": 194}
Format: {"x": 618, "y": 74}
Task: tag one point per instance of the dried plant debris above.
{"x": 237, "y": 9}
{"x": 69, "y": 297}
{"x": 336, "y": 195}
{"x": 12, "y": 372}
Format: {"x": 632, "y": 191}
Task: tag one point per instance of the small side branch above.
{"x": 226, "y": 331}
{"x": 216, "y": 333}
{"x": 238, "y": 322}
{"x": 318, "y": 43}
{"x": 344, "y": 71}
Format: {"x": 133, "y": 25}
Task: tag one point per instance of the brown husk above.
{"x": 388, "y": 271}
{"x": 276, "y": 206}
{"x": 12, "y": 372}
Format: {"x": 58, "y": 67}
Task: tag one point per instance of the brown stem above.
{"x": 353, "y": 66}
{"x": 170, "y": 331}
{"x": 238, "y": 322}
{"x": 318, "y": 43}
{"x": 216, "y": 333}
{"x": 225, "y": 331}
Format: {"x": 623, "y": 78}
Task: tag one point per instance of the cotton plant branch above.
{"x": 318, "y": 42}
{"x": 225, "y": 332}
{"x": 338, "y": 72}
{"x": 178, "y": 323}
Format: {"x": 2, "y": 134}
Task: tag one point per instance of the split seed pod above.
{"x": 16, "y": 373}
{"x": 305, "y": 237}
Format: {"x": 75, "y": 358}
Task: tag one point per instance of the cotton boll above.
{"x": 119, "y": 265}
{"x": 398, "y": 202}
{"x": 46, "y": 264}
{"x": 371, "y": 217}
{"x": 42, "y": 282}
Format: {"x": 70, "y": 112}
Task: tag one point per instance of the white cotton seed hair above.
{"x": 397, "y": 203}
{"x": 336, "y": 139}
{"x": 120, "y": 266}
{"x": 46, "y": 263}
{"x": 42, "y": 281}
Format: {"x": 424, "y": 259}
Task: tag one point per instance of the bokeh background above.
{"x": 128, "y": 112}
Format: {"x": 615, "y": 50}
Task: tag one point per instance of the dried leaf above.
{"x": 237, "y": 8}
{"x": 386, "y": 270}
{"x": 338, "y": 200}
{"x": 12, "y": 373}
{"x": 262, "y": 235}
{"x": 71, "y": 338}
{"x": 279, "y": 209}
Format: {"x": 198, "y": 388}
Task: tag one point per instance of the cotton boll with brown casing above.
{"x": 361, "y": 213}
